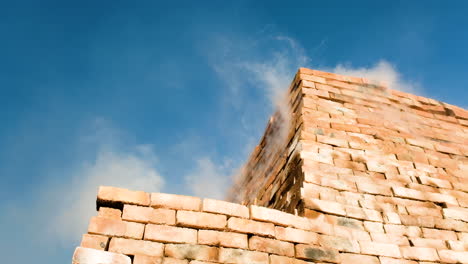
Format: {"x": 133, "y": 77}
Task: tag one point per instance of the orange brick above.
{"x": 107, "y": 226}
{"x": 197, "y": 252}
{"x": 450, "y": 256}
{"x": 385, "y": 260}
{"x": 373, "y": 188}
{"x": 239, "y": 256}
{"x": 271, "y": 246}
{"x": 457, "y": 213}
{"x": 373, "y": 227}
{"x": 408, "y": 193}
{"x": 428, "y": 243}
{"x": 174, "y": 201}
{"x": 143, "y": 259}
{"x": 201, "y": 220}
{"x": 399, "y": 240}
{"x": 353, "y": 259}
{"x": 170, "y": 234}
{"x": 439, "y": 234}
{"x": 274, "y": 259}
{"x": 315, "y": 253}
{"x": 435, "y": 182}
{"x": 325, "y": 206}
{"x": 295, "y": 235}
{"x": 249, "y": 226}
{"x": 106, "y": 212}
{"x": 113, "y": 194}
{"x": 379, "y": 249}
{"x": 135, "y": 213}
{"x": 135, "y": 247}
{"x": 94, "y": 241}
{"x": 224, "y": 239}
{"x": 420, "y": 253}
{"x": 163, "y": 216}
{"x": 222, "y": 207}
{"x": 90, "y": 255}
{"x": 134, "y": 230}
{"x": 278, "y": 217}
{"x": 339, "y": 243}
{"x": 423, "y": 211}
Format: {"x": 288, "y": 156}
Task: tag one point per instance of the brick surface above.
{"x": 106, "y": 212}
{"x": 143, "y": 259}
{"x": 315, "y": 253}
{"x": 134, "y": 247}
{"x": 295, "y": 235}
{"x": 354, "y": 258}
{"x": 239, "y": 256}
{"x": 201, "y": 220}
{"x": 278, "y": 217}
{"x": 89, "y": 255}
{"x": 197, "y": 252}
{"x": 107, "y": 226}
{"x": 251, "y": 227}
{"x": 94, "y": 241}
{"x": 170, "y": 234}
{"x": 173, "y": 201}
{"x": 271, "y": 246}
{"x": 113, "y": 194}
{"x": 224, "y": 239}
{"x": 222, "y": 207}
{"x": 419, "y": 253}
{"x": 379, "y": 249}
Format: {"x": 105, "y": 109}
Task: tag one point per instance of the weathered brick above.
{"x": 373, "y": 227}
{"x": 224, "y": 239}
{"x": 315, "y": 253}
{"x": 450, "y": 256}
{"x": 353, "y": 259}
{"x": 170, "y": 234}
{"x": 278, "y": 217}
{"x": 295, "y": 235}
{"x": 252, "y": 227}
{"x": 379, "y": 249}
{"x": 240, "y": 256}
{"x": 325, "y": 206}
{"x": 439, "y": 234}
{"x": 457, "y": 213}
{"x": 201, "y": 220}
{"x": 185, "y": 251}
{"x": 385, "y": 260}
{"x": 175, "y": 261}
{"x": 143, "y": 259}
{"x": 94, "y": 241}
{"x": 419, "y": 253}
{"x": 134, "y": 230}
{"x": 222, "y": 207}
{"x": 374, "y": 188}
{"x": 163, "y": 216}
{"x": 428, "y": 243}
{"x": 113, "y": 194}
{"x": 135, "y": 247}
{"x": 90, "y": 255}
{"x": 408, "y": 193}
{"x": 135, "y": 213}
{"x": 339, "y": 243}
{"x": 106, "y": 212}
{"x": 271, "y": 246}
{"x": 174, "y": 201}
{"x": 390, "y": 239}
{"x": 107, "y": 226}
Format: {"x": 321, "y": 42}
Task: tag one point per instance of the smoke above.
{"x": 384, "y": 72}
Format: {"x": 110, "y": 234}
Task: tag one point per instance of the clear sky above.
{"x": 172, "y": 96}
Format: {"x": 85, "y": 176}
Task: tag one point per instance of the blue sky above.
{"x": 172, "y": 97}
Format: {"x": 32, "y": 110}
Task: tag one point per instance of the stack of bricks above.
{"x": 364, "y": 174}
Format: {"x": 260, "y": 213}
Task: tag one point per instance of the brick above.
{"x": 435, "y": 182}
{"x": 271, "y": 246}
{"x": 224, "y": 239}
{"x": 201, "y": 262}
{"x": 174, "y": 261}
{"x": 325, "y": 206}
{"x": 108, "y": 194}
{"x": 249, "y": 226}
{"x": 419, "y": 253}
{"x": 379, "y": 249}
{"x": 163, "y": 216}
{"x": 423, "y": 211}
{"x": 374, "y": 188}
{"x": 295, "y": 235}
{"x": 89, "y": 255}
{"x": 107, "y": 226}
{"x": 135, "y": 213}
{"x": 450, "y": 256}
{"x": 174, "y": 201}
{"x": 391, "y": 218}
{"x": 373, "y": 227}
{"x": 339, "y": 243}
{"x": 457, "y": 245}
{"x": 185, "y": 251}
{"x": 428, "y": 243}
{"x": 222, "y": 207}
{"x": 239, "y": 256}
{"x": 420, "y": 143}
{"x": 274, "y": 259}
{"x": 390, "y": 239}
{"x": 106, "y": 212}
{"x": 134, "y": 230}
{"x": 385, "y": 260}
{"x": 170, "y": 234}
{"x": 201, "y": 220}
{"x": 422, "y": 221}
{"x": 408, "y": 193}
{"x": 278, "y": 217}
{"x": 457, "y": 213}
{"x": 94, "y": 241}
{"x": 143, "y": 259}
{"x": 353, "y": 259}
{"x": 439, "y": 234}
{"x": 315, "y": 253}
{"x": 135, "y": 247}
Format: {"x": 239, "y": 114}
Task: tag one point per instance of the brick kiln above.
{"x": 352, "y": 172}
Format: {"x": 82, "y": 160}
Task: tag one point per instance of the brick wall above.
{"x": 363, "y": 174}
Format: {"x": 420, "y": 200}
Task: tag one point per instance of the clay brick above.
{"x": 419, "y": 253}
{"x": 408, "y": 193}
{"x": 439, "y": 234}
{"x": 315, "y": 253}
{"x": 428, "y": 243}
{"x": 113, "y": 194}
{"x": 135, "y": 213}
{"x": 135, "y": 247}
{"x": 89, "y": 255}
{"x": 252, "y": 227}
{"x": 185, "y": 251}
{"x": 423, "y": 211}
{"x": 163, "y": 216}
{"x": 106, "y": 212}
{"x": 271, "y": 246}
{"x": 435, "y": 182}
{"x": 174, "y": 261}
{"x": 420, "y": 143}
{"x": 339, "y": 243}
{"x": 224, "y": 239}
{"x": 274, "y": 259}
{"x": 450, "y": 256}
{"x": 379, "y": 249}
{"x": 353, "y": 259}
{"x": 385, "y": 260}
{"x": 373, "y": 188}
{"x": 143, "y": 259}
{"x": 106, "y": 226}
{"x": 239, "y": 256}
{"x": 201, "y": 220}
{"x": 399, "y": 240}
{"x": 400, "y": 230}
{"x": 94, "y": 241}
{"x": 170, "y": 234}
{"x": 457, "y": 213}
{"x": 134, "y": 230}
{"x": 295, "y": 235}
{"x": 325, "y": 206}
{"x": 222, "y": 207}
{"x": 373, "y": 227}
{"x": 278, "y": 217}
{"x": 174, "y": 201}
{"x": 391, "y": 218}
{"x": 201, "y": 262}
